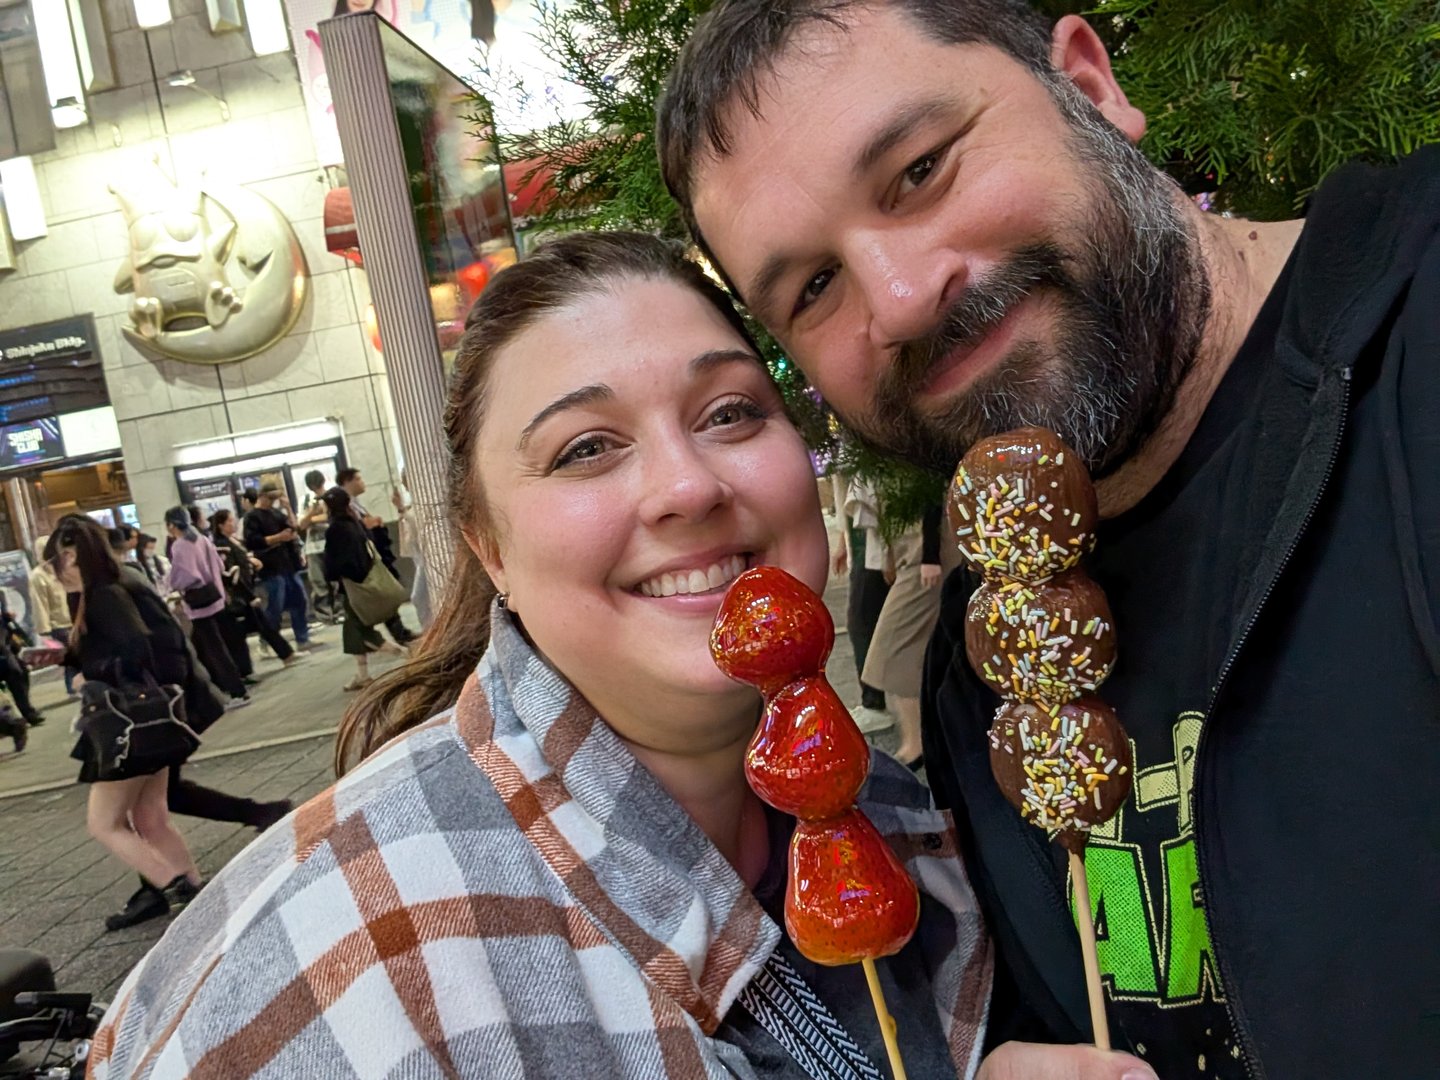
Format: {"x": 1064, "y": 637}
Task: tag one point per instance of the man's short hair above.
{"x": 271, "y": 488}
{"x": 344, "y": 476}
{"x": 314, "y": 478}
{"x": 250, "y": 495}
{"x": 738, "y": 42}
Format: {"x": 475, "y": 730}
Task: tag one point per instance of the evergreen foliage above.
{"x": 1257, "y": 100}
{"x": 1253, "y": 100}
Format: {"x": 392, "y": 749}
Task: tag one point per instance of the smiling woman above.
{"x": 550, "y": 864}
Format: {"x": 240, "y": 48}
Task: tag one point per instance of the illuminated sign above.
{"x": 23, "y": 445}
{"x": 50, "y": 368}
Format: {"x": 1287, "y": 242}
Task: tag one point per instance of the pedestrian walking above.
{"x": 349, "y": 556}
{"x": 123, "y": 633}
{"x": 197, "y": 574}
{"x": 270, "y": 534}
{"x": 14, "y": 676}
{"x": 244, "y": 612}
{"x": 352, "y": 482}
{"x": 154, "y": 566}
{"x": 312, "y": 525}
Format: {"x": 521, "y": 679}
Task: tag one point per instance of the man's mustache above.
{"x": 982, "y": 307}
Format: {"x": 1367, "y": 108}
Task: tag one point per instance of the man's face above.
{"x": 355, "y": 485}
{"x": 947, "y": 253}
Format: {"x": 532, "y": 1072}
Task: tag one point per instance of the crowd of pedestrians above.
{"x": 116, "y": 611}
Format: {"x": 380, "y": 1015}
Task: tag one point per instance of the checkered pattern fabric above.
{"x": 503, "y": 892}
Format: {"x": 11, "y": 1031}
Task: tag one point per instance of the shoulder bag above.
{"x": 379, "y": 596}
{"x": 134, "y": 729}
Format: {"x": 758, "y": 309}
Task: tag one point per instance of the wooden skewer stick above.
{"x": 887, "y": 1022}
{"x": 1087, "y": 948}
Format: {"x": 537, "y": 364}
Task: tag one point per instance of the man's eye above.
{"x": 813, "y": 288}
{"x": 917, "y": 172}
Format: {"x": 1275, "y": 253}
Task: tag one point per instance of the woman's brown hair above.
{"x": 554, "y": 276}
{"x": 94, "y": 558}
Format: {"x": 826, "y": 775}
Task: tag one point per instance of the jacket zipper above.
{"x": 1248, "y": 1057}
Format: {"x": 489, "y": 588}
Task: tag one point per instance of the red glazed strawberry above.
{"x": 771, "y": 630}
{"x": 807, "y": 758}
{"x": 848, "y": 898}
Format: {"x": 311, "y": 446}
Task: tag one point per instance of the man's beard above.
{"x": 1132, "y": 300}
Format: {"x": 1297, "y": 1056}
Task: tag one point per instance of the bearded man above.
{"x": 939, "y": 210}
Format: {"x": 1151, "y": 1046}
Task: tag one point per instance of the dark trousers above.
{"x": 16, "y": 679}
{"x": 868, "y": 590}
{"x": 237, "y": 624}
{"x": 191, "y": 799}
{"x": 206, "y": 636}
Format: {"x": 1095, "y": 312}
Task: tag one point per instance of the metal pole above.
{"x": 380, "y": 189}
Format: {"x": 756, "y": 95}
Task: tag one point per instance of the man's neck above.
{"x": 1243, "y": 259}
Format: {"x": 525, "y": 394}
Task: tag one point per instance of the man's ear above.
{"x": 1077, "y": 51}
{"x": 488, "y": 553}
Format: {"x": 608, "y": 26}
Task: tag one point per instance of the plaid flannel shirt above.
{"x": 502, "y": 892}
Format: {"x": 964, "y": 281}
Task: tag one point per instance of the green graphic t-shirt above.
{"x": 1174, "y": 604}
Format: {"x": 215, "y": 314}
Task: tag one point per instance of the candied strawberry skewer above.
{"x": 847, "y": 897}
{"x": 1039, "y": 632}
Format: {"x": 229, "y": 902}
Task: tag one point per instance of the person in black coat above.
{"x": 348, "y": 557}
{"x": 244, "y": 615}
{"x": 123, "y": 632}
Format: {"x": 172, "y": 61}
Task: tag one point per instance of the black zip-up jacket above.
{"x": 1316, "y": 805}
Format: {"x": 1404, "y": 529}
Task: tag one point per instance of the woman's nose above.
{"x": 682, "y": 483}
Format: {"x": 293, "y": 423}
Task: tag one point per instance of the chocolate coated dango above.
{"x": 1022, "y": 506}
{"x": 1065, "y": 772}
{"x": 1048, "y": 643}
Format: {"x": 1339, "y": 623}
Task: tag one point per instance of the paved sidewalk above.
{"x": 58, "y": 885}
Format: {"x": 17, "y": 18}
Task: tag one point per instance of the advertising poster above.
{"x": 455, "y": 32}
{"x": 30, "y": 443}
{"x": 15, "y": 584}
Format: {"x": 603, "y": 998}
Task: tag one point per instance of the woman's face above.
{"x": 228, "y": 527}
{"x": 635, "y": 458}
{"x": 66, "y": 570}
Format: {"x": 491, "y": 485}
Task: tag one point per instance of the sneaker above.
{"x": 181, "y": 891}
{"x": 310, "y": 646}
{"x": 870, "y": 720}
{"x": 147, "y": 903}
{"x": 269, "y": 813}
{"x": 295, "y": 658}
{"x": 238, "y": 703}
{"x": 35, "y": 719}
{"x": 250, "y": 680}
{"x": 20, "y": 732}
{"x": 357, "y": 683}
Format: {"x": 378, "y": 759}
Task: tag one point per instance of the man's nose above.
{"x": 905, "y": 281}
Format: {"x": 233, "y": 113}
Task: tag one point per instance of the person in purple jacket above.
{"x": 197, "y": 574}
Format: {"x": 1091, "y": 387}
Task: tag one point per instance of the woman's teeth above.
{"x": 685, "y": 582}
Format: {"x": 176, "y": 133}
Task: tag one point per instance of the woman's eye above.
{"x": 736, "y": 412}
{"x": 813, "y": 288}
{"x": 583, "y": 449}
{"x": 917, "y": 172}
